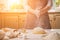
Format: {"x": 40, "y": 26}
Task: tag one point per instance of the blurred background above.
{"x": 12, "y": 18}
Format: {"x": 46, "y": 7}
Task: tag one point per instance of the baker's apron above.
{"x": 31, "y": 19}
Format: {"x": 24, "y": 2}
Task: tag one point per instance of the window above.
{"x": 56, "y": 6}
{"x": 57, "y": 3}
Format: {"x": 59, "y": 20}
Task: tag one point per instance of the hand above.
{"x": 42, "y": 12}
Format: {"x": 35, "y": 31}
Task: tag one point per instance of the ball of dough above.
{"x": 39, "y": 30}
{"x": 6, "y": 38}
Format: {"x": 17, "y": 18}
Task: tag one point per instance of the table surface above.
{"x": 37, "y": 36}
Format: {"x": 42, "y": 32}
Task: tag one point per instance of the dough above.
{"x": 38, "y": 30}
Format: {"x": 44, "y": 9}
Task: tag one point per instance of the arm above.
{"x": 47, "y": 7}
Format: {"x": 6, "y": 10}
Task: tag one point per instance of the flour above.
{"x": 53, "y": 36}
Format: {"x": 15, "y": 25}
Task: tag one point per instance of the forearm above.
{"x": 48, "y": 6}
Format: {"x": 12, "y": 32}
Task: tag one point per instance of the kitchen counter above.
{"x": 34, "y": 37}
{"x": 54, "y": 19}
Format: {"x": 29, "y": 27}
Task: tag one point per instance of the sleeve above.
{"x": 49, "y": 4}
